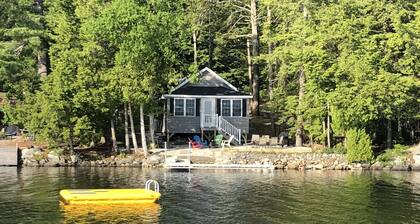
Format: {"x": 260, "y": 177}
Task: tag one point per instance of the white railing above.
{"x": 209, "y": 121}
{"x": 155, "y": 183}
{"x": 228, "y": 128}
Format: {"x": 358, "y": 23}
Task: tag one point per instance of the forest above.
{"x": 320, "y": 70}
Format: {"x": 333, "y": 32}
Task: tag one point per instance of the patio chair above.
{"x": 218, "y": 140}
{"x": 264, "y": 140}
{"x": 197, "y": 139}
{"x": 194, "y": 144}
{"x": 227, "y": 142}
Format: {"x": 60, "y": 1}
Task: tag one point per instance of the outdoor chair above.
{"x": 197, "y": 139}
{"x": 218, "y": 140}
{"x": 227, "y": 142}
{"x": 264, "y": 140}
{"x": 281, "y": 141}
{"x": 195, "y": 145}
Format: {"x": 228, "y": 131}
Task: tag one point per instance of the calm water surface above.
{"x": 30, "y": 195}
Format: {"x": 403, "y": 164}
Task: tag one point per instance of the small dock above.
{"x": 185, "y": 166}
{"x": 8, "y": 156}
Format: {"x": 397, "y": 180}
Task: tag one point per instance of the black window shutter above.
{"x": 244, "y": 107}
{"x": 218, "y": 107}
{"x": 171, "y": 106}
{"x": 197, "y": 107}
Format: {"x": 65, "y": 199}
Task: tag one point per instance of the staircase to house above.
{"x": 223, "y": 126}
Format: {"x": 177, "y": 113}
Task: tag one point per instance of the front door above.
{"x": 208, "y": 113}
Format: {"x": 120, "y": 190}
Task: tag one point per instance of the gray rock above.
{"x": 153, "y": 160}
{"x": 318, "y": 167}
{"x": 377, "y": 166}
{"x": 400, "y": 168}
{"x": 292, "y": 165}
{"x": 85, "y": 163}
{"x": 53, "y": 160}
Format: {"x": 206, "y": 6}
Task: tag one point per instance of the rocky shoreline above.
{"x": 34, "y": 157}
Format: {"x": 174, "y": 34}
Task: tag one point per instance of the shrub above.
{"x": 337, "y": 149}
{"x": 391, "y": 154}
{"x": 358, "y": 146}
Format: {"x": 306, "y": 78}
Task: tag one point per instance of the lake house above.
{"x": 207, "y": 106}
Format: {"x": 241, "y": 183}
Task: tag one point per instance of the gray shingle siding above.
{"x": 183, "y": 124}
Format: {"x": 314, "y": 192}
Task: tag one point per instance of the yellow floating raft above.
{"x": 111, "y": 196}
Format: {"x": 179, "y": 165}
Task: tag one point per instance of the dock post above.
{"x": 189, "y": 156}
{"x": 166, "y": 149}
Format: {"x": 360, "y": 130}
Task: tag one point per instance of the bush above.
{"x": 337, "y": 149}
{"x": 391, "y": 154}
{"x": 358, "y": 146}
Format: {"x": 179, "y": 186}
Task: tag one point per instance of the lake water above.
{"x": 30, "y": 195}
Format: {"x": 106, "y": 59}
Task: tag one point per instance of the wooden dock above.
{"x": 8, "y": 156}
{"x": 185, "y": 166}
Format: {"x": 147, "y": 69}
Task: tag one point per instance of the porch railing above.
{"x": 230, "y": 129}
{"x": 209, "y": 121}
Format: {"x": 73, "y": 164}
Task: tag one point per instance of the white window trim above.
{"x": 231, "y": 107}
{"x": 185, "y": 107}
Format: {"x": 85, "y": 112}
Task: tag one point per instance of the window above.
{"x": 237, "y": 108}
{"x": 231, "y": 108}
{"x": 179, "y": 107}
{"x": 189, "y": 107}
{"x": 184, "y": 107}
{"x": 225, "y": 107}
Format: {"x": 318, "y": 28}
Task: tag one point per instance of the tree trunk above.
{"x": 42, "y": 63}
{"x": 210, "y": 42}
{"x": 195, "y": 47}
{"x": 143, "y": 131}
{"x": 152, "y": 128}
{"x": 389, "y": 133}
{"x": 113, "y": 136}
{"x": 164, "y": 118}
{"x": 271, "y": 76}
{"x": 328, "y": 127}
{"x": 42, "y": 57}
{"x": 71, "y": 141}
{"x": 299, "y": 119}
{"x": 255, "y": 53}
{"x": 133, "y": 132}
{"x": 324, "y": 132}
{"x": 127, "y": 137}
{"x": 248, "y": 51}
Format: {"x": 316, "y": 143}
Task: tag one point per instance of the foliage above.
{"x": 337, "y": 149}
{"x": 391, "y": 154}
{"x": 359, "y": 59}
{"x": 358, "y": 146}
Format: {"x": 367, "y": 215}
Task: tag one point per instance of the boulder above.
{"x": 153, "y": 160}
{"x": 292, "y": 165}
{"x": 85, "y": 163}
{"x": 318, "y": 166}
{"x": 377, "y": 166}
{"x": 400, "y": 168}
{"x": 53, "y": 160}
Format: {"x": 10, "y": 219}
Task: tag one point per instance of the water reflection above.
{"x": 140, "y": 213}
{"x": 30, "y": 195}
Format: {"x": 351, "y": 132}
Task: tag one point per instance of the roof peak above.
{"x": 208, "y": 81}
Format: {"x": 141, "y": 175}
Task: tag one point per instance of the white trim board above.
{"x": 165, "y": 96}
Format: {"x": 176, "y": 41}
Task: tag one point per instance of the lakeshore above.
{"x": 291, "y": 158}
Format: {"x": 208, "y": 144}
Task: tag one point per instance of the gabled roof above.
{"x": 208, "y": 79}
